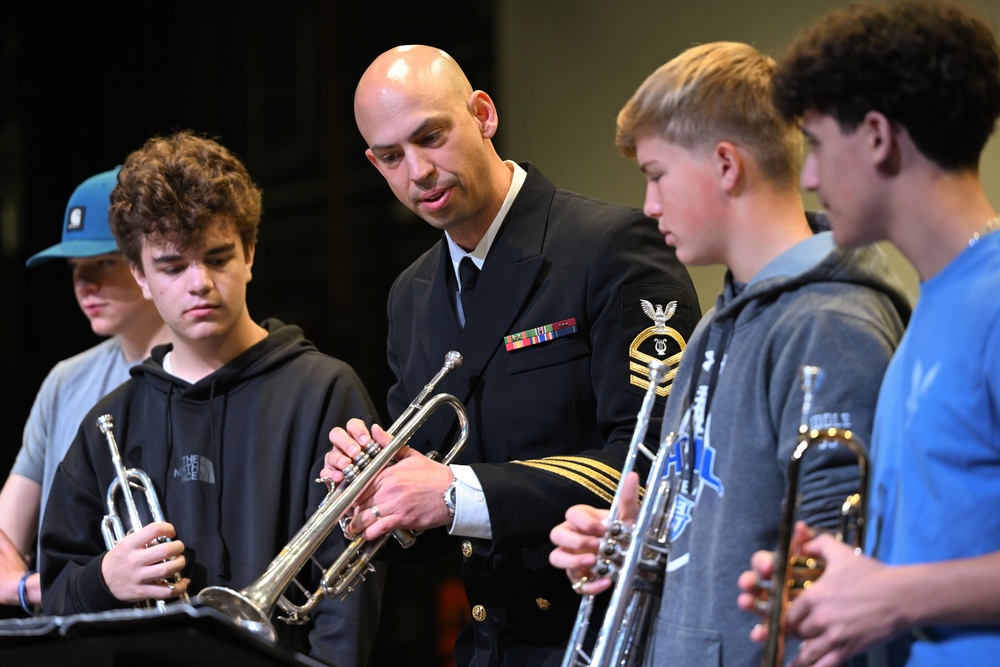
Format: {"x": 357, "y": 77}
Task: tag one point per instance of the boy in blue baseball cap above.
{"x": 110, "y": 298}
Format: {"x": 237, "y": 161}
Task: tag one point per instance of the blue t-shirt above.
{"x": 935, "y": 492}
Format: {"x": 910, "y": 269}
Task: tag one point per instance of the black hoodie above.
{"x": 233, "y": 457}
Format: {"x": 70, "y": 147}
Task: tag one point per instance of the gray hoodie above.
{"x": 843, "y": 311}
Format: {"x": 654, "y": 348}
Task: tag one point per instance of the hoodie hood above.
{"x": 865, "y": 267}
{"x": 813, "y": 271}
{"x": 282, "y": 344}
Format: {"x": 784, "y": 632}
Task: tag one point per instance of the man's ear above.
{"x": 482, "y": 108}
{"x": 727, "y": 161}
{"x": 371, "y": 158}
{"x": 140, "y": 279}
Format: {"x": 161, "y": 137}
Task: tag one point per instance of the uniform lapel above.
{"x": 434, "y": 311}
{"x": 506, "y": 283}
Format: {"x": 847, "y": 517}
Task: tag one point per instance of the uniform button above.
{"x": 466, "y": 548}
{"x": 479, "y": 613}
{"x": 543, "y": 604}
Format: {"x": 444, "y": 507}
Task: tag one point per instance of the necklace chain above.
{"x": 990, "y": 225}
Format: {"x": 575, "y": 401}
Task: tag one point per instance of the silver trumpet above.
{"x": 252, "y": 606}
{"x": 634, "y": 557}
{"x": 125, "y": 481}
{"x": 793, "y": 573}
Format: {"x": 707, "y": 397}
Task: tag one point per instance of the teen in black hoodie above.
{"x": 230, "y": 420}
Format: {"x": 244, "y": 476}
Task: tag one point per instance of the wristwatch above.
{"x": 449, "y": 499}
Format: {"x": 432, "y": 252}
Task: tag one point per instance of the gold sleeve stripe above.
{"x": 574, "y": 467}
{"x": 583, "y": 471}
{"x": 591, "y": 463}
{"x": 581, "y": 464}
{"x": 573, "y": 477}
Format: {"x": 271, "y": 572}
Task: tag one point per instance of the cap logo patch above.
{"x": 74, "y": 221}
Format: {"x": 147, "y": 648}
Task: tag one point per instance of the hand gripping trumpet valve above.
{"x": 634, "y": 557}
{"x": 125, "y": 482}
{"x": 252, "y": 606}
{"x": 793, "y": 573}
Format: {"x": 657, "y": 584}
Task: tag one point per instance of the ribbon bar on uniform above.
{"x": 540, "y": 334}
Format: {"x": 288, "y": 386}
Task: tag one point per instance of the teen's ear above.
{"x": 881, "y": 141}
{"x": 140, "y": 279}
{"x": 728, "y": 164}
{"x": 249, "y": 254}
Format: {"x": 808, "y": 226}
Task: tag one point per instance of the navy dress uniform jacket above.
{"x": 550, "y": 422}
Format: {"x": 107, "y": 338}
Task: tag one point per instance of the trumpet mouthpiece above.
{"x": 453, "y": 360}
{"x": 105, "y": 423}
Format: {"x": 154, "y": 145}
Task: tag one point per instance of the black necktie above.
{"x": 468, "y": 274}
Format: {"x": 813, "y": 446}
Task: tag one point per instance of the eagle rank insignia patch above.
{"x": 659, "y": 342}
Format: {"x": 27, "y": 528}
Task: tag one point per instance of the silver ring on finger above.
{"x": 374, "y": 509}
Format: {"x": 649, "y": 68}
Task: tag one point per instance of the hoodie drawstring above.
{"x": 224, "y": 564}
{"x": 722, "y": 343}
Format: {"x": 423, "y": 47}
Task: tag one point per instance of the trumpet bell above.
{"x": 241, "y": 609}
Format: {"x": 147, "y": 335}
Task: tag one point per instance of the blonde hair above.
{"x": 711, "y": 93}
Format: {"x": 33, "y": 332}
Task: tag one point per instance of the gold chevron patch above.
{"x": 659, "y": 342}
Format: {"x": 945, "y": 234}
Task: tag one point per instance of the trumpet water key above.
{"x": 252, "y": 606}
{"x": 125, "y": 483}
{"x": 793, "y": 572}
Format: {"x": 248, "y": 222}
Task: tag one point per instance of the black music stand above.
{"x": 181, "y": 635}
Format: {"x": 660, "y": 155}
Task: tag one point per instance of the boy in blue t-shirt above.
{"x": 897, "y": 103}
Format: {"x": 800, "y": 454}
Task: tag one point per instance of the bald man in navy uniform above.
{"x": 541, "y": 290}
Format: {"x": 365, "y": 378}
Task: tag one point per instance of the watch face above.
{"x": 449, "y": 498}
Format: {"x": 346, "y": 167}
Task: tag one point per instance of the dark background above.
{"x": 83, "y": 84}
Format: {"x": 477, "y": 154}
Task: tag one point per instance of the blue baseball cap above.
{"x": 86, "y": 232}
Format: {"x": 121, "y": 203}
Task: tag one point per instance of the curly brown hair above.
{"x": 930, "y": 65}
{"x": 175, "y": 187}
